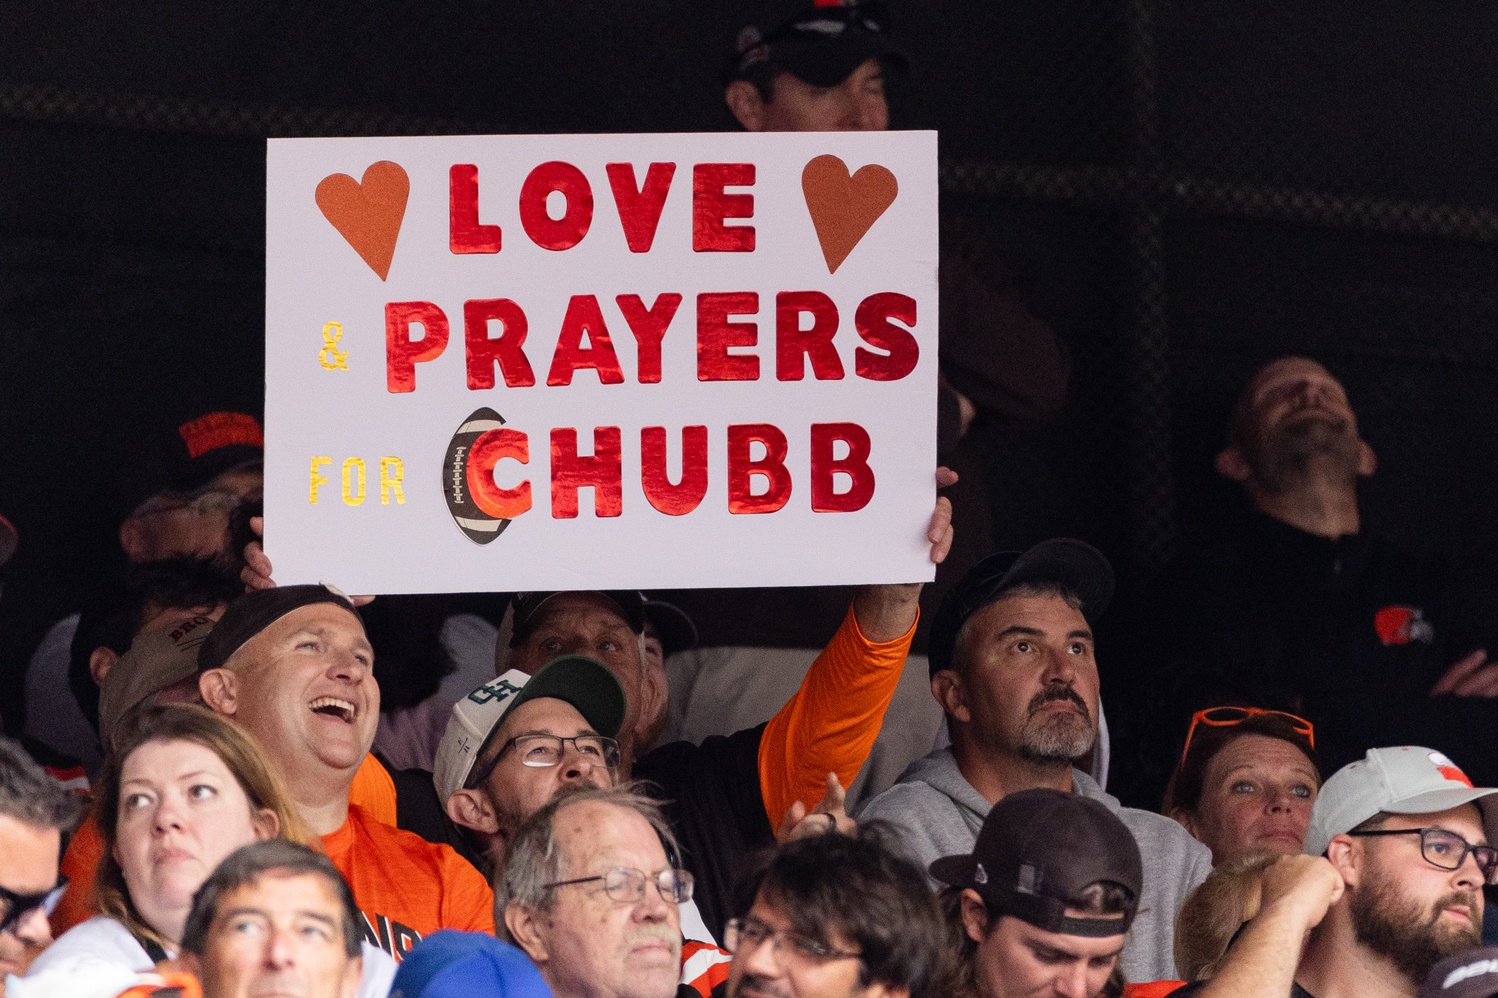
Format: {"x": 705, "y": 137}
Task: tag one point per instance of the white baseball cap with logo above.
{"x": 583, "y": 682}
{"x": 1406, "y": 779}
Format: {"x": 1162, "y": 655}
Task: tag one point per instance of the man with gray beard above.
{"x": 1295, "y": 604}
{"x": 1012, "y": 667}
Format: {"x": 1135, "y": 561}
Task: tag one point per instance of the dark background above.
{"x": 1185, "y": 189}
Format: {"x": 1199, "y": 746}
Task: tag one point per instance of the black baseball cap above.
{"x": 671, "y": 625}
{"x": 1073, "y": 564}
{"x": 258, "y": 609}
{"x": 528, "y": 606}
{"x": 1473, "y": 974}
{"x": 822, "y": 44}
{"x": 1038, "y": 850}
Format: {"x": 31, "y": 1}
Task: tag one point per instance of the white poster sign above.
{"x": 600, "y": 361}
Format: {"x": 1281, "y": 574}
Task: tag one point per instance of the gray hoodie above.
{"x": 938, "y": 813}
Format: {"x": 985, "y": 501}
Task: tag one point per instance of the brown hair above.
{"x": 1183, "y": 793}
{"x": 241, "y": 755}
{"x": 1215, "y": 910}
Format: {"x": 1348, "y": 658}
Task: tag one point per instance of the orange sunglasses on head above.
{"x": 1227, "y": 717}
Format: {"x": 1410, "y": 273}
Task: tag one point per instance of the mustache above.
{"x": 648, "y": 932}
{"x": 1460, "y": 899}
{"x": 1059, "y": 691}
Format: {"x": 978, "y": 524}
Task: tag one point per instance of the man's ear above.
{"x": 134, "y": 540}
{"x": 220, "y": 690}
{"x": 947, "y": 688}
{"x": 471, "y": 809}
{"x": 525, "y": 929}
{"x": 744, "y": 100}
{"x": 1367, "y": 460}
{"x": 974, "y": 915}
{"x": 100, "y": 661}
{"x": 1232, "y": 465}
{"x": 1346, "y": 854}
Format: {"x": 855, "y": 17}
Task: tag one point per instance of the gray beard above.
{"x": 1055, "y": 738}
{"x": 1397, "y": 928}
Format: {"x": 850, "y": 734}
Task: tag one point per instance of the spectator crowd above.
{"x": 228, "y": 788}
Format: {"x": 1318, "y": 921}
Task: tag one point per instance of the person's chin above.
{"x": 1282, "y": 842}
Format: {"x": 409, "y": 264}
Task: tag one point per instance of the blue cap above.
{"x": 451, "y": 964}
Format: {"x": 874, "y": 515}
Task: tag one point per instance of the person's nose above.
{"x": 576, "y": 765}
{"x": 1469, "y": 875}
{"x": 350, "y": 665}
{"x": 652, "y": 907}
{"x": 1071, "y": 982}
{"x": 872, "y": 113}
{"x": 1060, "y": 667}
{"x": 33, "y": 928}
{"x": 280, "y": 947}
{"x": 169, "y": 814}
{"x": 762, "y": 960}
{"x": 1277, "y": 800}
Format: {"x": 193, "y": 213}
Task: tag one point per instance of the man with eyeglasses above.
{"x": 835, "y": 916}
{"x": 1400, "y": 846}
{"x": 517, "y": 740}
{"x": 591, "y": 892}
{"x": 35, "y": 811}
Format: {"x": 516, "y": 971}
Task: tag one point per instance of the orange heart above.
{"x": 368, "y": 213}
{"x": 844, "y": 207}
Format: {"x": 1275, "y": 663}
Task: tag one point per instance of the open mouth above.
{"x": 333, "y": 707}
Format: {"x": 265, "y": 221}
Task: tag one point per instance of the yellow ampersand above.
{"x": 330, "y": 357}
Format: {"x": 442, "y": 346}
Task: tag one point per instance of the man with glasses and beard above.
{"x": 1397, "y": 857}
{"x": 1295, "y": 604}
{"x": 1012, "y": 667}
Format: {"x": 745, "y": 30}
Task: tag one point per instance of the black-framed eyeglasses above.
{"x": 626, "y": 884}
{"x": 14, "y": 907}
{"x": 1446, "y": 850}
{"x": 540, "y": 751}
{"x": 747, "y": 934}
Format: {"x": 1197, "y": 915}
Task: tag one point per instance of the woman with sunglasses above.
{"x": 183, "y": 789}
{"x": 1246, "y": 781}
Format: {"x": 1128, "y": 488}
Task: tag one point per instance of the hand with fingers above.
{"x": 1473, "y": 676}
{"x": 830, "y": 815}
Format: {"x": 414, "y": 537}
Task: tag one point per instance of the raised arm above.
{"x": 830, "y": 725}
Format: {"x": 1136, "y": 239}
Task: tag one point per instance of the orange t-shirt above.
{"x": 373, "y": 790}
{"x": 829, "y": 726}
{"x": 405, "y": 886}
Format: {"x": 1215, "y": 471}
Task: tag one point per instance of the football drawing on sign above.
{"x": 470, "y": 502}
